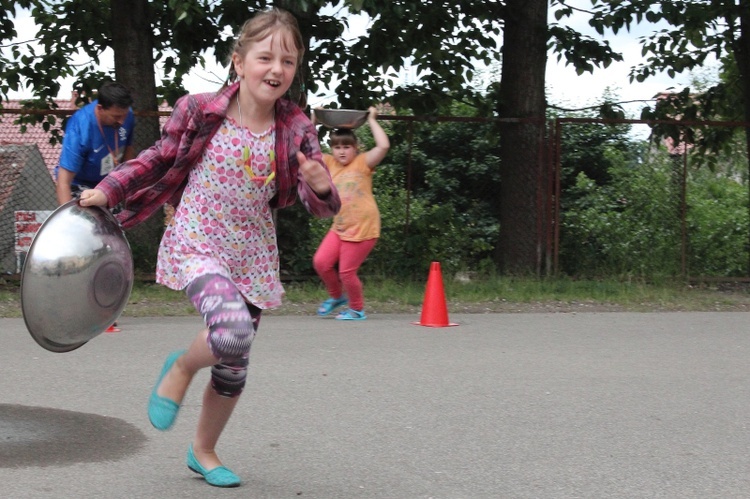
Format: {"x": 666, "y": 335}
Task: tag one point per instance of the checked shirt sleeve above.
{"x": 148, "y": 181}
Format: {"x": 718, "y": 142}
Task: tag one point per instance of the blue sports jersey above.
{"x": 84, "y": 151}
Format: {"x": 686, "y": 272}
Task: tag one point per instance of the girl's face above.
{"x": 268, "y": 68}
{"x": 344, "y": 154}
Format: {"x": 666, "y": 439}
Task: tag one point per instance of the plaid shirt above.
{"x": 159, "y": 174}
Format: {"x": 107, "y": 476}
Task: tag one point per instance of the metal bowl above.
{"x": 77, "y": 277}
{"x": 341, "y": 118}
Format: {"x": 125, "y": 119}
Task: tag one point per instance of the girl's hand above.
{"x": 93, "y": 197}
{"x": 373, "y": 113}
{"x": 314, "y": 174}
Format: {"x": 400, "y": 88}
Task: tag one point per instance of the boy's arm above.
{"x": 374, "y": 156}
{"x": 63, "y": 185}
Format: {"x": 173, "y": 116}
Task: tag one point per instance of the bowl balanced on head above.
{"x": 341, "y": 118}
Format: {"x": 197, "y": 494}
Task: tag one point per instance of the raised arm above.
{"x": 374, "y": 156}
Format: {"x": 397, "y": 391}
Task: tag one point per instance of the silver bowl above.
{"x": 77, "y": 277}
{"x": 341, "y": 118}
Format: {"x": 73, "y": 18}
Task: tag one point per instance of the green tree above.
{"x": 521, "y": 107}
{"x": 521, "y": 98}
{"x": 450, "y": 171}
{"x": 584, "y": 149}
{"x": 444, "y": 42}
{"x": 717, "y": 222}
{"x": 626, "y": 227}
{"x": 630, "y": 226}
{"x": 690, "y": 33}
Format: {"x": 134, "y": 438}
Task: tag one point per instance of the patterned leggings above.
{"x": 232, "y": 324}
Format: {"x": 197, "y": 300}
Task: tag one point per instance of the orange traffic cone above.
{"x": 434, "y": 308}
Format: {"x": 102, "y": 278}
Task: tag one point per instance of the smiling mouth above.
{"x": 273, "y": 83}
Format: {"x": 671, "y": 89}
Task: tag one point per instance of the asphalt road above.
{"x": 598, "y": 405}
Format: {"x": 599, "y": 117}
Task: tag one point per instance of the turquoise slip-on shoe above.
{"x": 218, "y": 477}
{"x": 331, "y": 304}
{"x": 163, "y": 411}
{"x": 351, "y": 315}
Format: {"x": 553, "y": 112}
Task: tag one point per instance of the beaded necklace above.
{"x": 246, "y": 163}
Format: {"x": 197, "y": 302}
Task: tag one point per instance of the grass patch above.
{"x": 501, "y": 294}
{"x": 513, "y": 294}
{"x": 149, "y": 299}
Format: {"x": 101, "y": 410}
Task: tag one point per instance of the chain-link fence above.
{"x": 629, "y": 206}
{"x": 606, "y": 200}
{"x": 30, "y": 146}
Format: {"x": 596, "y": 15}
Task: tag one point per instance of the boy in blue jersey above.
{"x": 97, "y": 138}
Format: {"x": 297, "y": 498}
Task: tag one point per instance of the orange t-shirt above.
{"x": 359, "y": 218}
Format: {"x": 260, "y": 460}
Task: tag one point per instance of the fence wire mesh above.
{"x": 630, "y": 206}
{"x": 607, "y": 200}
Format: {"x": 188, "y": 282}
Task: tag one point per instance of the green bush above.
{"x": 437, "y": 196}
{"x": 718, "y": 228}
{"x": 631, "y": 226}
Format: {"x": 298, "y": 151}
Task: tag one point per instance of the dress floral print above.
{"x": 223, "y": 224}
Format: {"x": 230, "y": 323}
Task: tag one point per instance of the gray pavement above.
{"x": 599, "y": 405}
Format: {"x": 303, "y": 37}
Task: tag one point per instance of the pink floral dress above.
{"x": 223, "y": 224}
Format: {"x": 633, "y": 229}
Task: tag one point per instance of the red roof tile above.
{"x": 10, "y": 172}
{"x": 10, "y": 132}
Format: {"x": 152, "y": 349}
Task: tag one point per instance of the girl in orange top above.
{"x": 356, "y": 228}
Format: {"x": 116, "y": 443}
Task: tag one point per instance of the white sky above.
{"x": 567, "y": 89}
{"x": 564, "y": 87}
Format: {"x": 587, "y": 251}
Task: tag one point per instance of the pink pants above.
{"x": 349, "y": 256}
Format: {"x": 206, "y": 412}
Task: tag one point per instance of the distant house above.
{"x": 25, "y": 185}
{"x": 10, "y": 132}
{"x": 27, "y": 163}
{"x": 674, "y": 148}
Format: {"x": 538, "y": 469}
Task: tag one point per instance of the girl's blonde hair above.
{"x": 266, "y": 23}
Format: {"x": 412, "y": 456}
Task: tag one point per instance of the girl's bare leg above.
{"x": 216, "y": 409}
{"x": 177, "y": 380}
{"x": 214, "y": 415}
